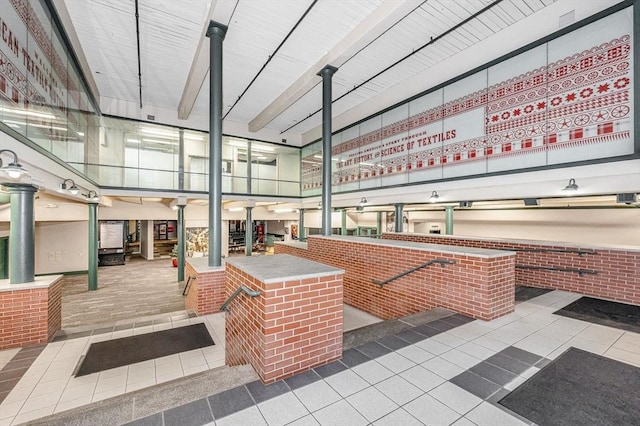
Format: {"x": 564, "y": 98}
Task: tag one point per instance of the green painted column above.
{"x": 21, "y": 233}
{"x": 379, "y": 223}
{"x": 248, "y": 233}
{"x": 343, "y": 226}
{"x": 301, "y": 235}
{"x": 398, "y": 225}
{"x": 448, "y": 220}
{"x": 181, "y": 241}
{"x": 93, "y": 246}
{"x": 216, "y": 33}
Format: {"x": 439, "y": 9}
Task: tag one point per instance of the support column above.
{"x": 301, "y": 235}
{"x": 181, "y": 161}
{"x": 181, "y": 240}
{"x": 399, "y": 207}
{"x": 343, "y": 226}
{"x": 21, "y": 233}
{"x": 448, "y": 220}
{"x": 216, "y": 33}
{"x": 326, "y": 73}
{"x": 248, "y": 233}
{"x": 93, "y": 247}
{"x": 379, "y": 224}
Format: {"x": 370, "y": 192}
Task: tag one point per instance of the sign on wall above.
{"x": 567, "y": 100}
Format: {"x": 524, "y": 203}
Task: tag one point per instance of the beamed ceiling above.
{"x": 386, "y": 51}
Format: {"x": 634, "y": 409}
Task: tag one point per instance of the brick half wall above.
{"x": 477, "y": 286}
{"x": 206, "y": 291}
{"x": 30, "y": 316}
{"x": 618, "y": 276}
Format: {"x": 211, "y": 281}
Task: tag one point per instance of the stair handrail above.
{"x": 441, "y": 262}
{"x": 241, "y": 289}
{"x": 579, "y": 252}
{"x": 580, "y": 271}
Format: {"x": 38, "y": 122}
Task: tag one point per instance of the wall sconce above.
{"x": 93, "y": 196}
{"x": 72, "y": 188}
{"x": 363, "y": 201}
{"x": 14, "y": 169}
{"x": 571, "y": 187}
{"x": 434, "y": 197}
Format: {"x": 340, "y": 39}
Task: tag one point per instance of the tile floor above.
{"x": 450, "y": 371}
{"x": 48, "y": 387}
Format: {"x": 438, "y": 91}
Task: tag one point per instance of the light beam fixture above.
{"x": 434, "y": 197}
{"x": 93, "y": 196}
{"x": 72, "y": 188}
{"x": 14, "y": 169}
{"x": 571, "y": 187}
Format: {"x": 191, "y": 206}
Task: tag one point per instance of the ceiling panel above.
{"x": 170, "y": 32}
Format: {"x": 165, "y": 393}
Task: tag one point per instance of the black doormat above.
{"x": 524, "y": 293}
{"x": 604, "y": 312}
{"x": 143, "y": 347}
{"x": 579, "y": 388}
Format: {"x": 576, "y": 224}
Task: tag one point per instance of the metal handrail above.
{"x": 242, "y": 288}
{"x": 441, "y": 262}
{"x": 186, "y": 286}
{"x": 579, "y": 252}
{"x": 579, "y": 271}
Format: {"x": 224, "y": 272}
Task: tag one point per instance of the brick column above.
{"x": 296, "y": 322}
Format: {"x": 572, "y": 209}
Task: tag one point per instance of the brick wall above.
{"x": 30, "y": 316}
{"x": 481, "y": 287}
{"x": 618, "y": 276}
{"x": 206, "y": 292}
{"x": 291, "y": 327}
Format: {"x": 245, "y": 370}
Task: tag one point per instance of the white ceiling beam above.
{"x": 67, "y": 24}
{"x": 199, "y": 70}
{"x": 387, "y": 14}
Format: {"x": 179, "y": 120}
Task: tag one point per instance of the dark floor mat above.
{"x": 579, "y": 388}
{"x": 604, "y": 312}
{"x": 143, "y": 347}
{"x": 524, "y": 293}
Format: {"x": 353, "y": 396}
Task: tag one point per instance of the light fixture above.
{"x": 236, "y": 209}
{"x": 572, "y": 186}
{"x": 319, "y": 204}
{"x": 434, "y": 197}
{"x": 73, "y": 189}
{"x": 93, "y": 196}
{"x": 363, "y": 201}
{"x": 14, "y": 169}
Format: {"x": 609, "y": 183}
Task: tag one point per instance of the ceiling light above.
{"x": 72, "y": 188}
{"x": 159, "y": 132}
{"x": 283, "y": 210}
{"x": 571, "y": 187}
{"x": 93, "y": 196}
{"x": 235, "y": 209}
{"x": 434, "y": 197}
{"x": 29, "y": 113}
{"x": 14, "y": 169}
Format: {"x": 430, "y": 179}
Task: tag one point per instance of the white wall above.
{"x": 61, "y": 247}
{"x": 589, "y": 226}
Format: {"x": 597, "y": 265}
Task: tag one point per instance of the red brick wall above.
{"x": 31, "y": 316}
{"x": 291, "y": 327}
{"x": 206, "y": 292}
{"x": 618, "y": 276}
{"x": 480, "y": 287}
